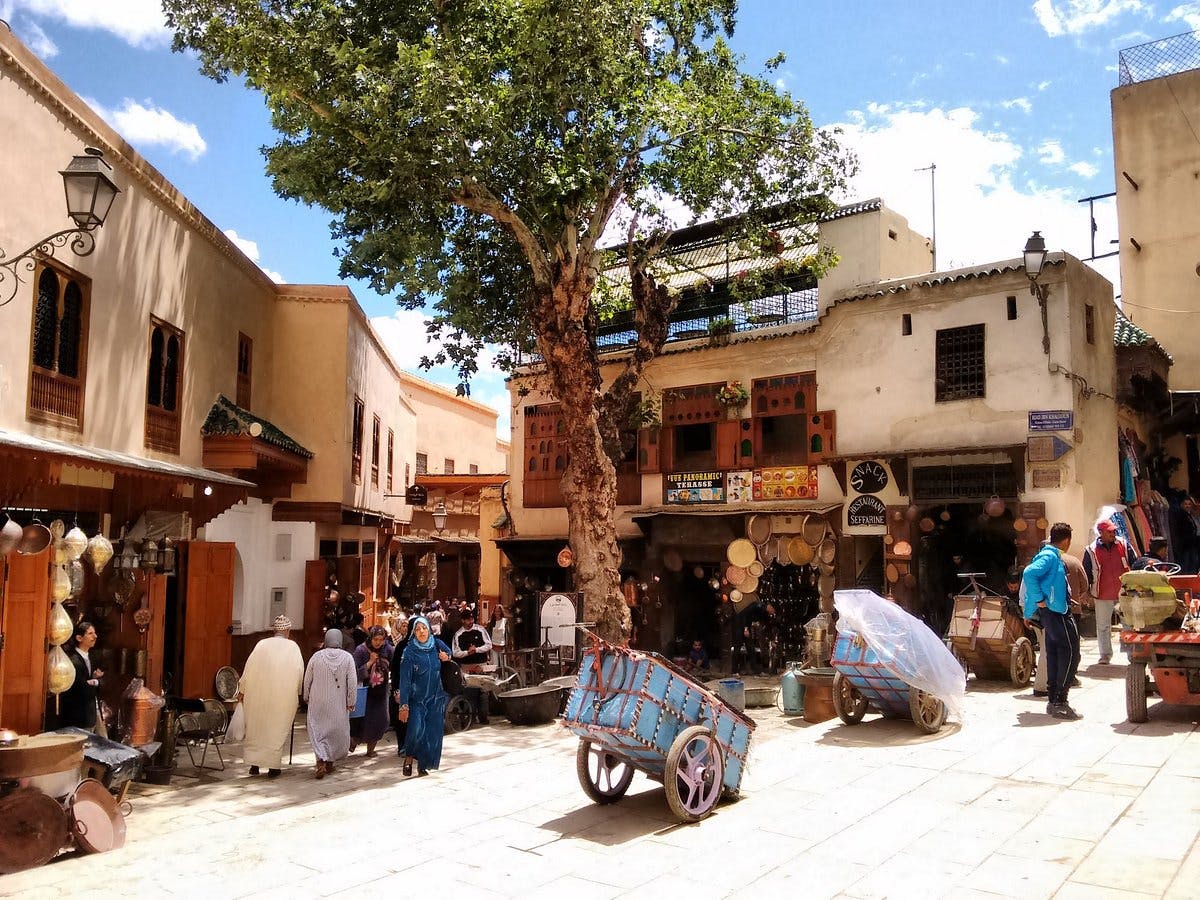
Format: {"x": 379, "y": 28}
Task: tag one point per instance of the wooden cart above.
{"x": 635, "y": 710}
{"x": 1173, "y": 658}
{"x": 989, "y": 639}
{"x": 861, "y": 680}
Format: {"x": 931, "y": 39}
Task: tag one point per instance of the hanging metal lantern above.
{"x": 60, "y": 584}
{"x": 60, "y": 672}
{"x": 75, "y": 542}
{"x": 168, "y": 557}
{"x": 150, "y": 555}
{"x": 129, "y": 555}
{"x": 75, "y": 576}
{"x": 60, "y": 627}
{"x": 99, "y": 552}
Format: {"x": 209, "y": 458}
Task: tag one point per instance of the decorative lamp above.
{"x": 99, "y": 551}
{"x": 149, "y": 554}
{"x": 61, "y": 627}
{"x": 60, "y": 584}
{"x": 90, "y": 189}
{"x": 1035, "y": 255}
{"x": 61, "y": 674}
{"x": 167, "y": 556}
{"x": 439, "y": 515}
{"x": 75, "y": 576}
{"x": 75, "y": 542}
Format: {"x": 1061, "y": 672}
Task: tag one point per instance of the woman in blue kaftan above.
{"x": 422, "y": 700}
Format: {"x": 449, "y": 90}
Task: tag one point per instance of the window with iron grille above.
{"x": 245, "y": 360}
{"x": 960, "y": 369}
{"x": 164, "y": 380}
{"x": 356, "y": 440}
{"x": 59, "y": 356}
{"x": 474, "y": 468}
{"x": 448, "y": 466}
{"x": 955, "y": 483}
{"x": 422, "y": 463}
{"x": 375, "y": 451}
{"x": 391, "y": 457}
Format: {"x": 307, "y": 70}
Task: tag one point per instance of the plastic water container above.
{"x": 732, "y": 692}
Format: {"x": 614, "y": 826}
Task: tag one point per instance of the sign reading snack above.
{"x": 694, "y": 487}
{"x": 787, "y": 483}
{"x": 869, "y": 477}
{"x": 866, "y": 510}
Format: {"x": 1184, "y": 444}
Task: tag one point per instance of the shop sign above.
{"x": 1046, "y": 477}
{"x": 694, "y": 487}
{"x": 1051, "y": 420}
{"x": 739, "y": 485}
{"x": 786, "y": 483}
{"x": 1047, "y": 448}
{"x": 416, "y": 495}
{"x": 869, "y": 477}
{"x": 866, "y": 510}
{"x": 558, "y": 618}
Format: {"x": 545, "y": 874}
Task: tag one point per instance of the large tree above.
{"x": 479, "y": 155}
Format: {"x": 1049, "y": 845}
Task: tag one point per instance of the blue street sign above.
{"x": 1061, "y": 447}
{"x": 1051, "y": 420}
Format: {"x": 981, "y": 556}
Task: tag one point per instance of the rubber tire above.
{"x": 1135, "y": 692}
{"x": 1021, "y": 660}
{"x": 848, "y": 703}
{"x": 595, "y": 793}
{"x": 928, "y": 725}
{"x": 459, "y": 715}
{"x": 674, "y": 801}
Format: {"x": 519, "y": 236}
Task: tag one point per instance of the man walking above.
{"x": 270, "y": 691}
{"x": 1104, "y": 562}
{"x": 1046, "y": 601}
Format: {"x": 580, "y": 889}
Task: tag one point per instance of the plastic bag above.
{"x": 905, "y": 646}
{"x": 236, "y": 730}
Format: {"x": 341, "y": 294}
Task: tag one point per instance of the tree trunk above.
{"x": 589, "y": 483}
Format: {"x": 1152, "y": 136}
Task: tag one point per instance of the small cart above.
{"x": 861, "y": 680}
{"x": 1173, "y": 658}
{"x": 635, "y": 710}
{"x": 987, "y": 638}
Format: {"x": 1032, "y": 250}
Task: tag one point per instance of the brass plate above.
{"x": 741, "y": 552}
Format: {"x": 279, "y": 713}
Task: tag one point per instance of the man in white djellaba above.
{"x": 270, "y": 694}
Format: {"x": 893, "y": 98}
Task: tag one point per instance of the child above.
{"x": 698, "y": 657}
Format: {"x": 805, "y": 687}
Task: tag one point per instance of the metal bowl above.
{"x": 532, "y": 705}
{"x": 35, "y": 537}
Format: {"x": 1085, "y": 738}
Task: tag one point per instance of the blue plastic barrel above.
{"x": 733, "y": 692}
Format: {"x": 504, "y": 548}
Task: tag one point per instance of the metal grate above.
{"x": 960, "y": 373}
{"x": 1158, "y": 59}
{"x": 977, "y": 482}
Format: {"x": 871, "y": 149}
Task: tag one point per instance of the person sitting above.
{"x": 1155, "y": 557}
{"x": 698, "y": 656}
{"x": 471, "y": 648}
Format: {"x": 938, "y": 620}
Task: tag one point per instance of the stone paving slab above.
{"x": 1009, "y": 803}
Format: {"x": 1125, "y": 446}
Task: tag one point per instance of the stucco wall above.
{"x": 452, "y": 427}
{"x": 871, "y": 246}
{"x": 1154, "y": 142}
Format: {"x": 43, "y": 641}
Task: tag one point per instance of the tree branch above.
{"x": 477, "y": 198}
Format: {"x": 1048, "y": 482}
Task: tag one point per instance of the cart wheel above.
{"x": 604, "y": 776}
{"x": 1135, "y": 692}
{"x": 928, "y": 712}
{"x": 694, "y": 774}
{"x": 459, "y": 715}
{"x": 505, "y": 672}
{"x": 1020, "y": 662}
{"x": 848, "y": 703}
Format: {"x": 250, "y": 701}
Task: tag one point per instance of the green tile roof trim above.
{"x": 1126, "y": 334}
{"x": 226, "y": 417}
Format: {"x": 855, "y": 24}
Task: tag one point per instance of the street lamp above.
{"x": 439, "y": 516}
{"x": 1035, "y": 260}
{"x": 90, "y": 192}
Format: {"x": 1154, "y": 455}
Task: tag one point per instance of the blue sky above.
{"x": 1010, "y": 99}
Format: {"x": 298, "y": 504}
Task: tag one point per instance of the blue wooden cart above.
{"x": 860, "y": 680}
{"x": 635, "y": 710}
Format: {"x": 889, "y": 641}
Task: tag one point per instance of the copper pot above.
{"x": 97, "y": 819}
{"x": 10, "y": 535}
{"x": 35, "y": 537}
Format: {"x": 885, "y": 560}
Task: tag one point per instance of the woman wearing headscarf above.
{"x": 330, "y": 689}
{"x": 404, "y": 633}
{"x": 421, "y": 698}
{"x": 373, "y": 661}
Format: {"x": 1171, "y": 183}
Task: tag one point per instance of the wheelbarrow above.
{"x": 860, "y": 680}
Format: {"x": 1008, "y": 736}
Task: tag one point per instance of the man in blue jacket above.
{"x": 1047, "y": 600}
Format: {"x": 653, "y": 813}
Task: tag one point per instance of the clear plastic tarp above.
{"x": 905, "y": 646}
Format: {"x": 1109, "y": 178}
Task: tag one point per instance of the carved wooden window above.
{"x": 447, "y": 466}
{"x": 164, "y": 387}
{"x": 58, "y": 355}
{"x": 544, "y": 455}
{"x": 391, "y": 458}
{"x": 245, "y": 360}
{"x": 375, "y": 451}
{"x": 422, "y": 463}
{"x": 960, "y": 372}
{"x": 356, "y": 440}
{"x": 783, "y": 395}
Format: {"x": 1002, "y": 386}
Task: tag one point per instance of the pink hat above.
{"x": 1106, "y": 527}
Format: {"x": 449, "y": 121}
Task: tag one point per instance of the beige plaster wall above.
{"x": 1154, "y": 142}
{"x": 872, "y": 246}
{"x": 156, "y": 255}
{"x": 453, "y": 427}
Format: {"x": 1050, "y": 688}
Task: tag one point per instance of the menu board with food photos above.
{"x": 739, "y": 485}
{"x": 786, "y": 483}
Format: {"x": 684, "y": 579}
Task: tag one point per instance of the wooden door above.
{"x": 366, "y": 586}
{"x": 315, "y": 572}
{"x": 156, "y": 599}
{"x": 208, "y": 616}
{"x": 24, "y": 612}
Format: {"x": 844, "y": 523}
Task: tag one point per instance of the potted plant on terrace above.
{"x": 733, "y": 396}
{"x": 719, "y": 329}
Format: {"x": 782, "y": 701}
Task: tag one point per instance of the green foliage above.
{"x": 474, "y": 153}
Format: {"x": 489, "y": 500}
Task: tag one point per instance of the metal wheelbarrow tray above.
{"x": 861, "y": 680}
{"x": 635, "y": 710}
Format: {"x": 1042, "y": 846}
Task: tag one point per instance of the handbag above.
{"x": 236, "y": 729}
{"x": 360, "y": 703}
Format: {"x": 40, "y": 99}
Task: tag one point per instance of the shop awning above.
{"x": 111, "y": 460}
{"x": 776, "y": 507}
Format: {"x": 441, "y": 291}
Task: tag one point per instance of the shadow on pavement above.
{"x": 1036, "y": 719}
{"x": 1105, "y": 671}
{"x": 1162, "y": 719}
{"x": 883, "y": 733}
{"x": 635, "y": 816}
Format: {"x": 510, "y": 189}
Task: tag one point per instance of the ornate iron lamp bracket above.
{"x": 81, "y": 242}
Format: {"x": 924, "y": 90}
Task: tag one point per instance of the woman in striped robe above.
{"x": 330, "y": 689}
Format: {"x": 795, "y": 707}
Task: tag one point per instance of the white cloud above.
{"x": 1188, "y": 13}
{"x": 35, "y": 38}
{"x": 1003, "y": 60}
{"x": 1051, "y": 153}
{"x": 1042, "y": 85}
{"x": 1078, "y": 16}
{"x": 250, "y": 248}
{"x": 137, "y": 22}
{"x": 985, "y": 208}
{"x": 1084, "y": 169}
{"x": 147, "y": 124}
{"x": 1021, "y": 103}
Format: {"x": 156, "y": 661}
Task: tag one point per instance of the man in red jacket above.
{"x": 1104, "y": 562}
